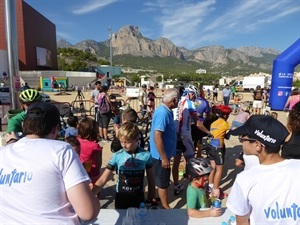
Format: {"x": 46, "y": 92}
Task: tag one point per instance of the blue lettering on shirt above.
{"x": 282, "y": 213}
{"x": 15, "y": 177}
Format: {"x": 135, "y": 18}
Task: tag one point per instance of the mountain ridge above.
{"x": 129, "y": 41}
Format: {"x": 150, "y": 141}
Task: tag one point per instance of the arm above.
{"x": 151, "y": 183}
{"x": 160, "y": 148}
{"x": 199, "y": 124}
{"x": 212, "y": 212}
{"x": 101, "y": 181}
{"x": 85, "y": 204}
{"x": 242, "y": 220}
{"x": 287, "y": 103}
{"x": 98, "y": 159}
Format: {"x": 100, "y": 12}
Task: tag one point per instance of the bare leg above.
{"x": 218, "y": 176}
{"x": 175, "y": 168}
{"x": 105, "y": 133}
{"x": 163, "y": 195}
{"x": 212, "y": 173}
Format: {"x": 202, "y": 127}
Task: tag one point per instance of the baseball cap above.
{"x": 265, "y": 129}
{"x": 47, "y": 111}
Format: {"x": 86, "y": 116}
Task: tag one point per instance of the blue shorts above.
{"x": 161, "y": 174}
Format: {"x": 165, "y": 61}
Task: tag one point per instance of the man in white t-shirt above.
{"x": 94, "y": 97}
{"x": 268, "y": 193}
{"x": 42, "y": 180}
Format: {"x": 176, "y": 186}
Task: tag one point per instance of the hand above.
{"x": 165, "y": 163}
{"x": 215, "y": 212}
{"x": 11, "y": 135}
{"x": 210, "y": 136}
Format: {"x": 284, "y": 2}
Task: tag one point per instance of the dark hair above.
{"x": 130, "y": 115}
{"x": 295, "y": 91}
{"x": 88, "y": 129}
{"x": 39, "y": 125}
{"x": 103, "y": 89}
{"x": 72, "y": 121}
{"x": 293, "y": 122}
{"x": 98, "y": 82}
{"x": 272, "y": 150}
{"x": 72, "y": 140}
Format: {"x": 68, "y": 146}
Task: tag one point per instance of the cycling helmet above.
{"x": 193, "y": 89}
{"x": 144, "y": 86}
{"x": 29, "y": 96}
{"x": 223, "y": 109}
{"x": 197, "y": 167}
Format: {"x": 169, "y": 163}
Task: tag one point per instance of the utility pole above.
{"x": 110, "y": 49}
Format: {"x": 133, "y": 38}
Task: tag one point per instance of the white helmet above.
{"x": 193, "y": 89}
{"x": 197, "y": 167}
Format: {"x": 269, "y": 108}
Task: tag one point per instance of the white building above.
{"x": 201, "y": 71}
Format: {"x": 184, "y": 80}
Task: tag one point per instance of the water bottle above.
{"x": 232, "y": 221}
{"x": 142, "y": 212}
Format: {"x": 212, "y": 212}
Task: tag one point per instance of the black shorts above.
{"x": 126, "y": 200}
{"x": 217, "y": 155}
{"x": 215, "y": 94}
{"x": 103, "y": 119}
{"x": 161, "y": 175}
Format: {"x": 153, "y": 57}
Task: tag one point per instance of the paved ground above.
{"x": 230, "y": 171}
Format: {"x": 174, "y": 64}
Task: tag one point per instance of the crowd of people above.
{"x": 66, "y": 175}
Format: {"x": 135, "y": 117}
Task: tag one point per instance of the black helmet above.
{"x": 29, "y": 96}
{"x": 144, "y": 86}
{"x": 197, "y": 167}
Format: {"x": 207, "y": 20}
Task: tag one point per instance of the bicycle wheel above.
{"x": 239, "y": 96}
{"x": 92, "y": 111}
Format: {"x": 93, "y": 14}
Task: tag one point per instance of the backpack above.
{"x": 258, "y": 95}
{"x": 103, "y": 104}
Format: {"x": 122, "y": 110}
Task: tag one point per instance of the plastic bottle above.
{"x": 142, "y": 212}
{"x": 232, "y": 220}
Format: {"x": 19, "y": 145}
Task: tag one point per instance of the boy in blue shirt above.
{"x": 131, "y": 161}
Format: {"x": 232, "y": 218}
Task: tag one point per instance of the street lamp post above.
{"x": 110, "y": 49}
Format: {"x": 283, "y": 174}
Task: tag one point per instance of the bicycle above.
{"x": 239, "y": 96}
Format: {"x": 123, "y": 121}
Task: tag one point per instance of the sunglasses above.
{"x": 242, "y": 139}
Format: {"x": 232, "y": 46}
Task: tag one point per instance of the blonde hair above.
{"x": 129, "y": 131}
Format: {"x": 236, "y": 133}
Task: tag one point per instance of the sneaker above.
{"x": 178, "y": 188}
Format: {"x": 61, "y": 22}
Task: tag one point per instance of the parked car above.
{"x": 5, "y": 96}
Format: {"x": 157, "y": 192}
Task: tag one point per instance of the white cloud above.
{"x": 92, "y": 6}
{"x": 189, "y": 23}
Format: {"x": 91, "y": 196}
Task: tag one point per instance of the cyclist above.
{"x": 218, "y": 129}
{"x": 184, "y": 115}
{"x": 26, "y": 98}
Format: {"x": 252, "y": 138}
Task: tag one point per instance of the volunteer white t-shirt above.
{"x": 270, "y": 192}
{"x": 34, "y": 177}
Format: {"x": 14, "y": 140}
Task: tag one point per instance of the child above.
{"x": 131, "y": 161}
{"x": 197, "y": 171}
{"x": 73, "y": 141}
{"x": 240, "y": 118}
{"x": 91, "y": 152}
{"x": 218, "y": 129}
{"x": 129, "y": 115}
{"x": 72, "y": 129}
{"x": 150, "y": 98}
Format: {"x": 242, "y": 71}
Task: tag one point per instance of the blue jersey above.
{"x": 163, "y": 121}
{"x": 131, "y": 169}
{"x": 202, "y": 107}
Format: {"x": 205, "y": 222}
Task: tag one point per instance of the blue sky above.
{"x": 187, "y": 23}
